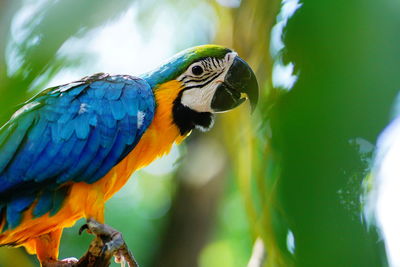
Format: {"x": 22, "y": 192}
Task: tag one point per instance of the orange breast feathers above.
{"x": 88, "y": 200}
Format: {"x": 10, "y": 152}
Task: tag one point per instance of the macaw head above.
{"x": 201, "y": 81}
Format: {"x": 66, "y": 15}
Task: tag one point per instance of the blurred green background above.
{"x": 295, "y": 174}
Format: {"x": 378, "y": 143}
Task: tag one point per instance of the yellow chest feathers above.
{"x": 155, "y": 142}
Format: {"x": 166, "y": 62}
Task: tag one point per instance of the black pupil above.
{"x": 197, "y": 70}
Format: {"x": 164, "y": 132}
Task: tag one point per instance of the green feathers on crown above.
{"x": 181, "y": 61}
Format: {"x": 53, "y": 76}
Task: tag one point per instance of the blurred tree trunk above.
{"x": 192, "y": 216}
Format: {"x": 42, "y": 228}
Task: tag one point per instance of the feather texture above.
{"x": 71, "y": 133}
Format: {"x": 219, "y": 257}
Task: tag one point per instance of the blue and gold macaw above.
{"x": 71, "y": 147}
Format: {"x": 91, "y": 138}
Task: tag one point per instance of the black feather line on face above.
{"x": 187, "y": 119}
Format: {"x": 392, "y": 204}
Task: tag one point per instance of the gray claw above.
{"x": 83, "y": 228}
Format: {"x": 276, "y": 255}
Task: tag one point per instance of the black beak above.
{"x": 239, "y": 79}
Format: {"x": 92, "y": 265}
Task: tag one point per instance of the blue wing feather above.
{"x": 44, "y": 204}
{"x": 82, "y": 126}
{"x": 114, "y": 91}
{"x": 15, "y": 207}
{"x": 74, "y": 132}
{"x": 101, "y": 87}
{"x": 129, "y": 101}
{"x": 58, "y": 198}
{"x": 9, "y": 147}
{"x": 117, "y": 110}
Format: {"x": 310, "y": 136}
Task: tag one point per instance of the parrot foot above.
{"x": 108, "y": 243}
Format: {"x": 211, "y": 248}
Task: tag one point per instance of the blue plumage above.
{"x": 114, "y": 92}
{"x": 75, "y": 132}
{"x": 44, "y": 204}
{"x": 15, "y": 207}
{"x": 58, "y": 198}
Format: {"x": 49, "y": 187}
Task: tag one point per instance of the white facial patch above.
{"x": 201, "y": 88}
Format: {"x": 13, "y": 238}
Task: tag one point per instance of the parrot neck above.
{"x": 168, "y": 99}
{"x": 165, "y": 73}
{"x": 168, "y": 94}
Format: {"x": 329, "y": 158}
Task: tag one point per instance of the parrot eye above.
{"x": 197, "y": 70}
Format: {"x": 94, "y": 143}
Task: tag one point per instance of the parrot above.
{"x": 70, "y": 148}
